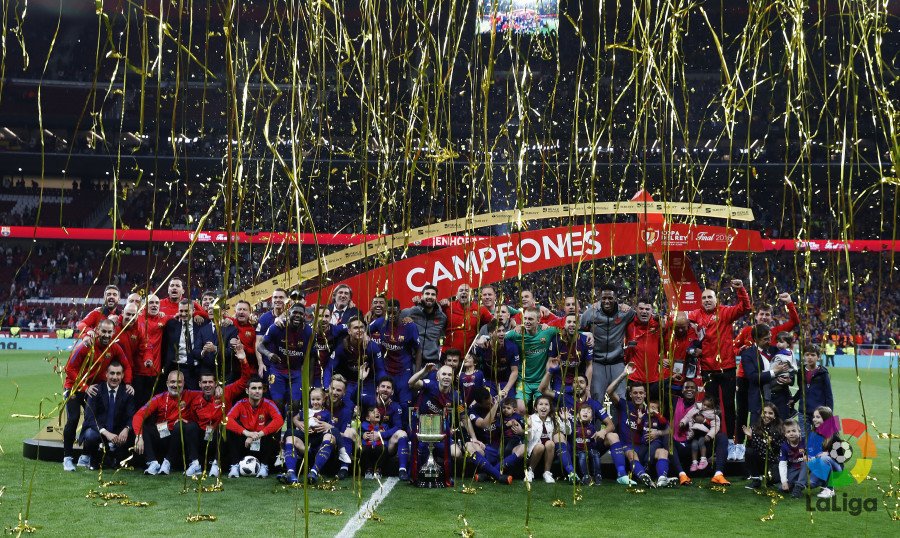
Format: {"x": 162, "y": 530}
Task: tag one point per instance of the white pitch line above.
{"x": 359, "y": 519}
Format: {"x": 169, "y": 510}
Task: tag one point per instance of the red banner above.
{"x": 500, "y": 258}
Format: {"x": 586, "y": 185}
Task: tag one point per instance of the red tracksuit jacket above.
{"x": 264, "y": 418}
{"x": 164, "y": 406}
{"x": 209, "y": 413}
{"x": 87, "y": 365}
{"x": 718, "y": 332}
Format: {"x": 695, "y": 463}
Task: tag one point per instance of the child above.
{"x": 470, "y": 378}
{"x": 816, "y": 390}
{"x": 792, "y": 461}
{"x": 320, "y": 439}
{"x": 655, "y": 419}
{"x": 704, "y": 426}
{"x": 513, "y": 434}
{"x": 763, "y": 443}
{"x": 586, "y": 446}
{"x": 783, "y": 362}
{"x": 372, "y": 443}
{"x": 541, "y": 448}
{"x": 823, "y": 416}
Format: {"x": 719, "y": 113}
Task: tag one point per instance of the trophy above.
{"x": 430, "y": 432}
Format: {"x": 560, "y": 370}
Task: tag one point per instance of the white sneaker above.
{"x": 152, "y": 468}
{"x": 234, "y": 472}
{"x": 826, "y": 493}
{"x": 68, "y": 464}
{"x": 529, "y": 475}
{"x": 343, "y": 457}
{"x": 376, "y": 475}
{"x": 165, "y": 467}
{"x": 740, "y": 452}
{"x": 369, "y": 476}
{"x": 662, "y": 481}
{"x": 84, "y": 461}
{"x": 214, "y": 469}
{"x": 731, "y": 449}
{"x": 279, "y": 460}
{"x": 548, "y": 477}
{"x": 194, "y": 469}
{"x": 263, "y": 471}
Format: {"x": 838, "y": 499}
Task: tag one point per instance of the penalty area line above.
{"x": 359, "y": 519}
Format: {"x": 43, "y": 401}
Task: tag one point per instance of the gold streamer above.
{"x": 196, "y": 518}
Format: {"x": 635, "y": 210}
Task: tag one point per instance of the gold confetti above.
{"x": 468, "y": 490}
{"x": 374, "y": 516}
{"x": 558, "y": 503}
{"x": 108, "y": 496}
{"x": 635, "y": 491}
{"x": 140, "y": 504}
{"x": 112, "y": 483}
{"x": 200, "y": 517}
{"x": 22, "y": 528}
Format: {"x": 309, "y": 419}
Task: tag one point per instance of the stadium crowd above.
{"x": 520, "y": 389}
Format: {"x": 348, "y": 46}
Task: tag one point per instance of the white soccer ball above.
{"x": 249, "y": 466}
{"x": 841, "y": 451}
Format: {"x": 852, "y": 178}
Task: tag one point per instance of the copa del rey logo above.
{"x": 651, "y": 236}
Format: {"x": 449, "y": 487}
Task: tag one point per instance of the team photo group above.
{"x": 513, "y": 389}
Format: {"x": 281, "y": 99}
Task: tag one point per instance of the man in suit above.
{"x": 180, "y": 349}
{"x": 341, "y": 307}
{"x": 106, "y": 430}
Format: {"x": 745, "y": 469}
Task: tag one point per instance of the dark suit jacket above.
{"x": 97, "y": 409}
{"x": 757, "y": 378}
{"x": 223, "y": 355}
{"x": 349, "y": 313}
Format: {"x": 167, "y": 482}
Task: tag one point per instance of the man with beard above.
{"x": 87, "y": 366}
{"x": 643, "y": 335}
{"x": 152, "y": 323}
{"x": 357, "y": 359}
{"x": 134, "y": 345}
{"x": 744, "y": 340}
{"x": 534, "y": 345}
{"x": 210, "y": 409}
{"x": 681, "y": 351}
{"x": 399, "y": 346}
{"x": 432, "y": 322}
{"x": 207, "y": 300}
{"x": 608, "y": 324}
{"x": 326, "y": 337}
{"x": 254, "y": 424}
{"x": 715, "y": 326}
{"x": 241, "y": 326}
{"x": 172, "y": 427}
{"x": 575, "y": 358}
{"x": 169, "y": 305}
{"x": 464, "y": 319}
{"x": 110, "y": 310}
{"x": 341, "y": 410}
{"x": 284, "y": 351}
{"x": 392, "y": 412}
{"x": 500, "y": 360}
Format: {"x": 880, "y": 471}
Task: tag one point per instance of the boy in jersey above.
{"x": 399, "y": 346}
{"x": 513, "y": 434}
{"x": 486, "y": 427}
{"x": 254, "y": 423}
{"x": 642, "y": 443}
{"x": 284, "y": 350}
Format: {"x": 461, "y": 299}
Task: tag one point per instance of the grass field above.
{"x": 57, "y": 505}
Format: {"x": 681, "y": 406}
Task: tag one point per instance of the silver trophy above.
{"x": 430, "y": 432}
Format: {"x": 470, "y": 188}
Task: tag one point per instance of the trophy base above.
{"x": 433, "y": 482}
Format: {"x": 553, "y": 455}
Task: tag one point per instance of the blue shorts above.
{"x": 647, "y": 451}
{"x": 282, "y": 384}
{"x": 492, "y": 454}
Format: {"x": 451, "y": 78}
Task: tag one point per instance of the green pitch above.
{"x": 57, "y": 504}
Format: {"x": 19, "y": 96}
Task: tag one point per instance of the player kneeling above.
{"x": 321, "y": 442}
{"x": 253, "y": 425}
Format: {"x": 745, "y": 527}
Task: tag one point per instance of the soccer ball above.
{"x": 249, "y": 466}
{"x": 841, "y": 451}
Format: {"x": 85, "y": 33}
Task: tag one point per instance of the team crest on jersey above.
{"x": 401, "y": 337}
{"x": 261, "y": 418}
{"x": 107, "y": 355}
{"x": 182, "y": 405}
{"x": 248, "y": 334}
{"x": 543, "y": 340}
{"x": 134, "y": 337}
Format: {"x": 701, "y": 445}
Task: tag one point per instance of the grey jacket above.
{"x": 431, "y": 330}
{"x": 609, "y": 333}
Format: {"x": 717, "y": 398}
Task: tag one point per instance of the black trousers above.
{"x": 268, "y": 448}
{"x": 721, "y": 385}
{"x": 182, "y": 438}
{"x": 75, "y": 401}
{"x": 742, "y": 410}
{"x": 144, "y": 388}
{"x": 96, "y": 446}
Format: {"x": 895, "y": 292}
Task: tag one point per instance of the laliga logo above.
{"x": 841, "y": 453}
{"x": 650, "y": 236}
